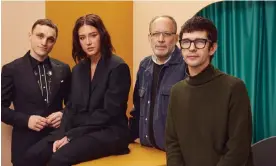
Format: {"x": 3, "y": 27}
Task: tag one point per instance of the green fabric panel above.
{"x": 246, "y": 39}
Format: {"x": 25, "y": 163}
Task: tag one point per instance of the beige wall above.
{"x": 17, "y": 20}
{"x": 144, "y": 11}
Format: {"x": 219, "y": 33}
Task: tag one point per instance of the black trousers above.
{"x": 18, "y": 164}
{"x": 22, "y": 140}
{"x": 79, "y": 150}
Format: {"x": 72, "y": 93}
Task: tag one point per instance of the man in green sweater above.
{"x": 209, "y": 117}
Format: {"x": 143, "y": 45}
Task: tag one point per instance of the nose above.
{"x": 44, "y": 41}
{"x": 88, "y": 41}
{"x": 192, "y": 47}
{"x": 161, "y": 38}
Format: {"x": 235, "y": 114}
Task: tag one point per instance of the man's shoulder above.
{"x": 235, "y": 81}
{"x": 146, "y": 61}
{"x": 14, "y": 64}
{"x": 179, "y": 85}
{"x": 235, "y": 86}
{"x": 231, "y": 81}
{"x": 58, "y": 62}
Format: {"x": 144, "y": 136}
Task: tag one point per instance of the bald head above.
{"x": 171, "y": 21}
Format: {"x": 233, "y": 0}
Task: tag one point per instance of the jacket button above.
{"x": 148, "y": 102}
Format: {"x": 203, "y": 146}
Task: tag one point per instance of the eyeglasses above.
{"x": 199, "y": 43}
{"x": 164, "y": 34}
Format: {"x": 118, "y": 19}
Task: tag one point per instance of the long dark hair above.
{"x": 105, "y": 40}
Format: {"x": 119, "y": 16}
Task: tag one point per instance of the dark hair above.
{"x": 163, "y": 16}
{"x": 198, "y": 23}
{"x": 46, "y": 22}
{"x": 105, "y": 40}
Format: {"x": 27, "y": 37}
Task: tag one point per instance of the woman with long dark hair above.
{"x": 94, "y": 123}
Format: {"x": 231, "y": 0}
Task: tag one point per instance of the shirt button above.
{"x": 45, "y": 100}
{"x": 44, "y": 87}
{"x": 146, "y": 136}
{"x": 42, "y": 75}
{"x": 146, "y": 119}
{"x": 148, "y": 102}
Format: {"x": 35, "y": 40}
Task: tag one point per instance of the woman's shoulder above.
{"x": 115, "y": 60}
{"x": 112, "y": 62}
{"x": 82, "y": 63}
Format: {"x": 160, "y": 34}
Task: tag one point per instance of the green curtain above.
{"x": 246, "y": 39}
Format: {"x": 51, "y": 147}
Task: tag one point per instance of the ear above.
{"x": 213, "y": 49}
{"x": 176, "y": 38}
{"x": 149, "y": 37}
{"x": 30, "y": 35}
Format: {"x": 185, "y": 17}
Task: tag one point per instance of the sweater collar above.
{"x": 204, "y": 76}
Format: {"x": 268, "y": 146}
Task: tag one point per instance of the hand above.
{"x": 54, "y": 119}
{"x": 36, "y": 122}
{"x": 137, "y": 140}
{"x": 60, "y": 143}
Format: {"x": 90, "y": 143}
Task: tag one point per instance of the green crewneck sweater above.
{"x": 209, "y": 121}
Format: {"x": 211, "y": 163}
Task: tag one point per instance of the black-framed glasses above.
{"x": 164, "y": 34}
{"x": 199, "y": 43}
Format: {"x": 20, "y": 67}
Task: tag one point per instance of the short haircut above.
{"x": 46, "y": 22}
{"x": 198, "y": 23}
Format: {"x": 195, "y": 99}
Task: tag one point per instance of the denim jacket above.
{"x": 174, "y": 71}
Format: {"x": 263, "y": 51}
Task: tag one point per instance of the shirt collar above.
{"x": 155, "y": 60}
{"x": 35, "y": 62}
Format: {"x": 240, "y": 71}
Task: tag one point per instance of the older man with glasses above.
{"x": 156, "y": 75}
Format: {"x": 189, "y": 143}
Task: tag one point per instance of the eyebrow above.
{"x": 52, "y": 38}
{"x": 89, "y": 33}
{"x": 193, "y": 39}
{"x": 49, "y": 37}
{"x": 163, "y": 32}
{"x": 39, "y": 33}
